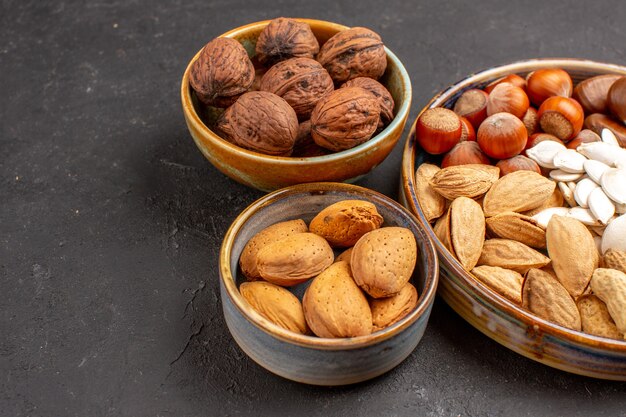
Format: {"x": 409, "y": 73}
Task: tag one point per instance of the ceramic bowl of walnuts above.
{"x": 327, "y": 283}
{"x": 289, "y": 101}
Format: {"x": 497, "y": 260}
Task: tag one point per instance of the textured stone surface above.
{"x": 111, "y": 219}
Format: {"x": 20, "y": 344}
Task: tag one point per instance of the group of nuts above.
{"x": 364, "y": 289}
{"x": 558, "y": 251}
{"x": 283, "y": 101}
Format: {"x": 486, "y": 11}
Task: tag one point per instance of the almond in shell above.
{"x": 294, "y": 259}
{"x": 442, "y": 230}
{"x": 504, "y": 281}
{"x": 518, "y": 191}
{"x": 383, "y": 260}
{"x": 345, "y": 256}
{"x": 510, "y": 254}
{"x": 277, "y": 231}
{"x": 610, "y": 286}
{"x": 516, "y": 226}
{"x": 595, "y": 317}
{"x": 432, "y": 203}
{"x": 544, "y": 295}
{"x": 344, "y": 222}
{"x": 555, "y": 200}
{"x": 390, "y": 310}
{"x": 334, "y": 306}
{"x": 573, "y": 252}
{"x": 467, "y": 231}
{"x": 276, "y": 304}
{"x": 472, "y": 180}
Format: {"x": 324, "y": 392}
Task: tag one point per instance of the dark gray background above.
{"x": 111, "y": 219}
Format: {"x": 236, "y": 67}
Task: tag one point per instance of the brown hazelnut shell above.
{"x": 302, "y": 82}
{"x": 221, "y": 73}
{"x": 285, "y": 38}
{"x": 345, "y": 118}
{"x": 261, "y": 122}
{"x": 351, "y": 53}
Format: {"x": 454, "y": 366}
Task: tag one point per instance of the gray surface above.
{"x": 111, "y": 220}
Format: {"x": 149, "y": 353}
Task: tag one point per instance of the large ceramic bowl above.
{"x": 310, "y": 359}
{"x": 489, "y": 312}
{"x": 266, "y": 172}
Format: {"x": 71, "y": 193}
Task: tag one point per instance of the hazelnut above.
{"x": 345, "y": 118}
{"x": 300, "y": 81}
{"x": 285, "y": 38}
{"x": 385, "y": 100}
{"x": 261, "y": 122}
{"x": 351, "y": 53}
{"x": 222, "y": 72}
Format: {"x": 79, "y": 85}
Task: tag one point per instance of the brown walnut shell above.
{"x": 385, "y": 100}
{"x": 345, "y": 118}
{"x": 285, "y": 38}
{"x": 302, "y": 82}
{"x": 222, "y": 72}
{"x": 261, "y": 122}
{"x": 355, "y": 52}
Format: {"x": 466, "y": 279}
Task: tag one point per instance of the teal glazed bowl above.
{"x": 485, "y": 309}
{"x": 266, "y": 172}
{"x": 310, "y": 359}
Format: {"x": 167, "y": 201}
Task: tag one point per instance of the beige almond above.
{"x": 610, "y": 286}
{"x": 442, "y": 230}
{"x": 504, "y": 281}
{"x": 276, "y": 304}
{"x": 555, "y": 200}
{"x": 294, "y": 259}
{"x": 345, "y": 255}
{"x": 614, "y": 259}
{"x": 432, "y": 203}
{"x": 383, "y": 260}
{"x": 344, "y": 222}
{"x": 277, "y": 231}
{"x": 544, "y": 295}
{"x": 472, "y": 180}
{"x": 518, "y": 191}
{"x": 467, "y": 231}
{"x": 595, "y": 317}
{"x": 516, "y": 226}
{"x": 573, "y": 252}
{"x": 390, "y": 310}
{"x": 510, "y": 254}
{"x": 334, "y": 306}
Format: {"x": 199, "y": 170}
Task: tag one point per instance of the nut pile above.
{"x": 283, "y": 101}
{"x": 364, "y": 289}
{"x": 546, "y": 226}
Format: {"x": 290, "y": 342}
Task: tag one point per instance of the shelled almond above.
{"x": 552, "y": 227}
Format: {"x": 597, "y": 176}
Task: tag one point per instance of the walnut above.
{"x": 302, "y": 82}
{"x": 355, "y": 52}
{"x": 222, "y": 72}
{"x": 345, "y": 118}
{"x": 261, "y": 122}
{"x": 305, "y": 146}
{"x": 382, "y": 94}
{"x": 285, "y": 38}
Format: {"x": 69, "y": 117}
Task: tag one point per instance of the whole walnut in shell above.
{"x": 345, "y": 118}
{"x": 261, "y": 122}
{"x": 355, "y": 52}
{"x": 305, "y": 146}
{"x": 385, "y": 100}
{"x": 222, "y": 72}
{"x": 285, "y": 38}
{"x": 302, "y": 82}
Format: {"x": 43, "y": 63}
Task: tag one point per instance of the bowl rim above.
{"x": 194, "y": 119}
{"x": 227, "y": 279}
{"x": 452, "y": 268}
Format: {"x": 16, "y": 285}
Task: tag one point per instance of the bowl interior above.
{"x": 395, "y": 79}
{"x": 304, "y": 201}
{"x": 415, "y": 156}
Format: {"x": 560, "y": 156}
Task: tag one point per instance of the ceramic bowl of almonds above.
{"x": 289, "y": 101}
{"x": 518, "y": 174}
{"x": 327, "y": 283}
